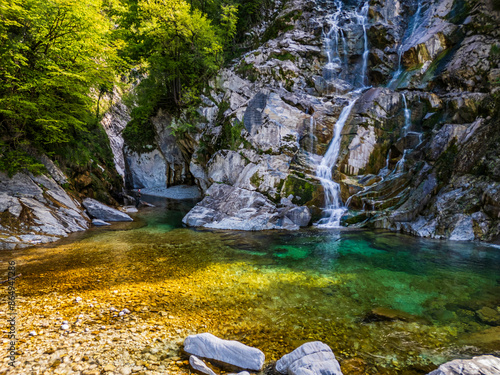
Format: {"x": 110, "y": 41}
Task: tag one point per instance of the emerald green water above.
{"x": 386, "y": 303}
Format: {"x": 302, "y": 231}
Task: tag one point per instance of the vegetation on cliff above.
{"x": 59, "y": 59}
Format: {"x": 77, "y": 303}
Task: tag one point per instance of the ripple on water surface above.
{"x": 385, "y": 303}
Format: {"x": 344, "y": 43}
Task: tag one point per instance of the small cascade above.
{"x": 336, "y": 46}
{"x": 416, "y": 19}
{"x": 333, "y": 204}
{"x": 398, "y": 72}
{"x": 403, "y": 47}
{"x": 385, "y": 171}
{"x": 407, "y": 113}
{"x": 400, "y": 166}
{"x": 331, "y": 40}
{"x": 363, "y": 20}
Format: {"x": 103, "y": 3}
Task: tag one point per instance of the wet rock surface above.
{"x": 114, "y": 122}
{"x": 102, "y": 212}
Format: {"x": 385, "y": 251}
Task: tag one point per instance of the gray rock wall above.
{"x": 412, "y": 141}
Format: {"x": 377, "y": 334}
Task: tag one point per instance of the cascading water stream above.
{"x": 331, "y": 40}
{"x": 402, "y": 46}
{"x": 407, "y": 113}
{"x": 333, "y": 204}
{"x": 334, "y": 208}
{"x": 363, "y": 20}
{"x": 400, "y": 166}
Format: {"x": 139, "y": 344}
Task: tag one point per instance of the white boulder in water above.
{"x": 484, "y": 365}
{"x": 312, "y": 358}
{"x": 230, "y": 352}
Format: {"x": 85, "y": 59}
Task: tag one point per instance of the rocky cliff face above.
{"x": 162, "y": 167}
{"x": 36, "y": 209}
{"x": 419, "y": 149}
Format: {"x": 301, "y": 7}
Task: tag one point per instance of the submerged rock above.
{"x": 484, "y": 365}
{"x": 99, "y": 223}
{"x": 489, "y": 315}
{"x": 383, "y": 314}
{"x": 311, "y": 358}
{"x": 100, "y": 211}
{"x": 230, "y": 352}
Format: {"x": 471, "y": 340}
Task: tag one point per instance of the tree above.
{"x": 183, "y": 47}
{"x": 55, "y": 57}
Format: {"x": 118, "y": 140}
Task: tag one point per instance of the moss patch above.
{"x": 304, "y": 191}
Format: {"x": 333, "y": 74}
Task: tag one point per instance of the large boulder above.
{"x": 312, "y": 358}
{"x": 100, "y": 211}
{"x": 229, "y": 207}
{"x": 484, "y": 365}
{"x": 229, "y": 352}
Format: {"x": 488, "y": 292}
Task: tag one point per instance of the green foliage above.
{"x": 495, "y": 51}
{"x": 229, "y": 19}
{"x": 180, "y": 128}
{"x": 446, "y": 163}
{"x": 56, "y": 57}
{"x": 179, "y": 49}
{"x": 15, "y": 160}
{"x": 252, "y": 12}
{"x": 299, "y": 187}
{"x": 283, "y": 56}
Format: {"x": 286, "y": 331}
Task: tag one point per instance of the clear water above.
{"x": 276, "y": 290}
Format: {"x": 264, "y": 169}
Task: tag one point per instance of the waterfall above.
{"x": 363, "y": 19}
{"x": 407, "y": 113}
{"x": 331, "y": 40}
{"x": 336, "y": 43}
{"x": 333, "y": 204}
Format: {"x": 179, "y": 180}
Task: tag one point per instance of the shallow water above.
{"x": 385, "y": 303}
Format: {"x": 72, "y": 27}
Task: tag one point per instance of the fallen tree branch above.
{"x": 11, "y": 278}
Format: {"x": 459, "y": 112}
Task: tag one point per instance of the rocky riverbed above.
{"x": 124, "y": 297}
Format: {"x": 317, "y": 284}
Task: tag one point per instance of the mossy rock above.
{"x": 304, "y": 191}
